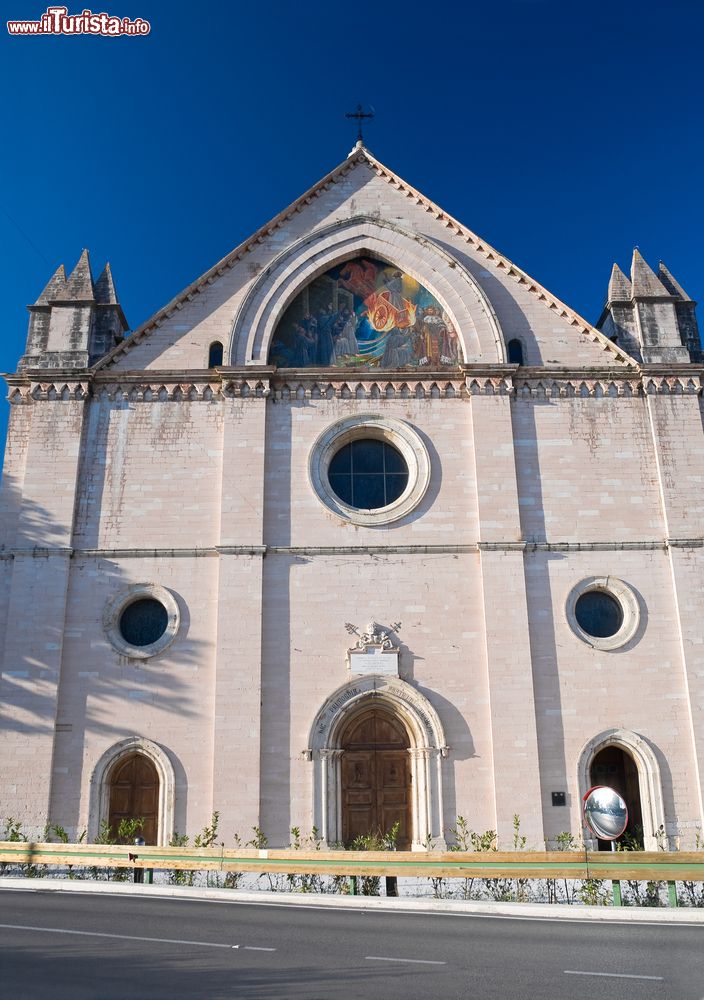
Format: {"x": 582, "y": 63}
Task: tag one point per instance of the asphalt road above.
{"x": 58, "y": 946}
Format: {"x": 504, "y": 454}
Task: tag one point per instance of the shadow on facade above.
{"x": 461, "y": 744}
{"x": 667, "y": 795}
{"x": 541, "y": 622}
{"x": 61, "y": 678}
{"x": 277, "y": 641}
{"x": 275, "y": 753}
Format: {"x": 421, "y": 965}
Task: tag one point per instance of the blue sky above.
{"x": 562, "y": 133}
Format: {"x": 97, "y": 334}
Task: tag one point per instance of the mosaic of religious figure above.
{"x": 365, "y": 313}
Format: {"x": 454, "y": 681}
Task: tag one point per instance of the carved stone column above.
{"x": 330, "y": 804}
{"x": 420, "y": 795}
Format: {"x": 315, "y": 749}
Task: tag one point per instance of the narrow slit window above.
{"x": 215, "y": 354}
{"x": 515, "y": 352}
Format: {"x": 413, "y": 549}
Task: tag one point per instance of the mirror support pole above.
{"x": 616, "y": 886}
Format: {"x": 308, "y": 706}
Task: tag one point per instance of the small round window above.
{"x": 599, "y": 614}
{"x": 368, "y": 474}
{"x": 603, "y": 611}
{"x": 143, "y": 622}
{"x": 369, "y": 469}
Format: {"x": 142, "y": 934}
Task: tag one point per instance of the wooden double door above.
{"x": 134, "y": 794}
{"x": 376, "y": 777}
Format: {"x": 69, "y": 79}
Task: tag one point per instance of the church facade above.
{"x": 364, "y": 528}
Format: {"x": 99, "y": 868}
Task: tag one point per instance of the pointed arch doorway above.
{"x": 415, "y": 735}
{"x": 376, "y": 776}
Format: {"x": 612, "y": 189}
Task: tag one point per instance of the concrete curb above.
{"x": 529, "y": 911}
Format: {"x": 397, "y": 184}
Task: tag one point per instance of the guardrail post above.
{"x": 391, "y": 885}
{"x": 137, "y": 873}
{"x": 672, "y": 893}
{"x": 353, "y": 885}
{"x": 616, "y": 886}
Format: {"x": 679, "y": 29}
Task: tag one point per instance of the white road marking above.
{"x": 414, "y": 961}
{"x": 252, "y": 947}
{"x": 612, "y": 975}
{"x": 126, "y": 937}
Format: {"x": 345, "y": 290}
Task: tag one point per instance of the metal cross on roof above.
{"x": 360, "y": 114}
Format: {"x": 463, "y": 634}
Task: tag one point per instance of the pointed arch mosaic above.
{"x": 365, "y": 313}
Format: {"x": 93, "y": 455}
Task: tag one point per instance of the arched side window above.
{"x": 215, "y": 354}
{"x": 515, "y": 352}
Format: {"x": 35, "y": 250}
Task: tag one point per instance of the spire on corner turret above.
{"x": 74, "y": 322}
{"x": 673, "y": 286}
{"x": 617, "y": 321}
{"x": 105, "y": 292}
{"x": 620, "y": 289}
{"x": 79, "y": 287}
{"x": 685, "y": 310}
{"x": 644, "y": 280}
{"x": 53, "y": 288}
{"x": 650, "y": 316}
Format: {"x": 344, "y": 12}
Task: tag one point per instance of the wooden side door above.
{"x": 134, "y": 794}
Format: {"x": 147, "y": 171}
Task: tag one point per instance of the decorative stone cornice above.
{"x": 393, "y": 387}
{"x": 544, "y": 383}
{"x": 489, "y": 385}
{"x": 290, "y": 386}
{"x": 552, "y": 388}
{"x": 669, "y": 384}
{"x": 31, "y": 390}
{"x": 165, "y": 391}
{"x": 140, "y": 386}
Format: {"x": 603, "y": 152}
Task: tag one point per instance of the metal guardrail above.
{"x": 628, "y": 865}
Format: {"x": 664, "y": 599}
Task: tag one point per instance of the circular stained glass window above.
{"x": 368, "y": 473}
{"x": 598, "y": 613}
{"x": 143, "y": 622}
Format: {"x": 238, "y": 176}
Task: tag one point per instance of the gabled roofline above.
{"x": 360, "y": 154}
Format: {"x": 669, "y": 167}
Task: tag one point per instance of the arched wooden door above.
{"x": 615, "y": 768}
{"x": 376, "y": 777}
{"x": 134, "y": 794}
